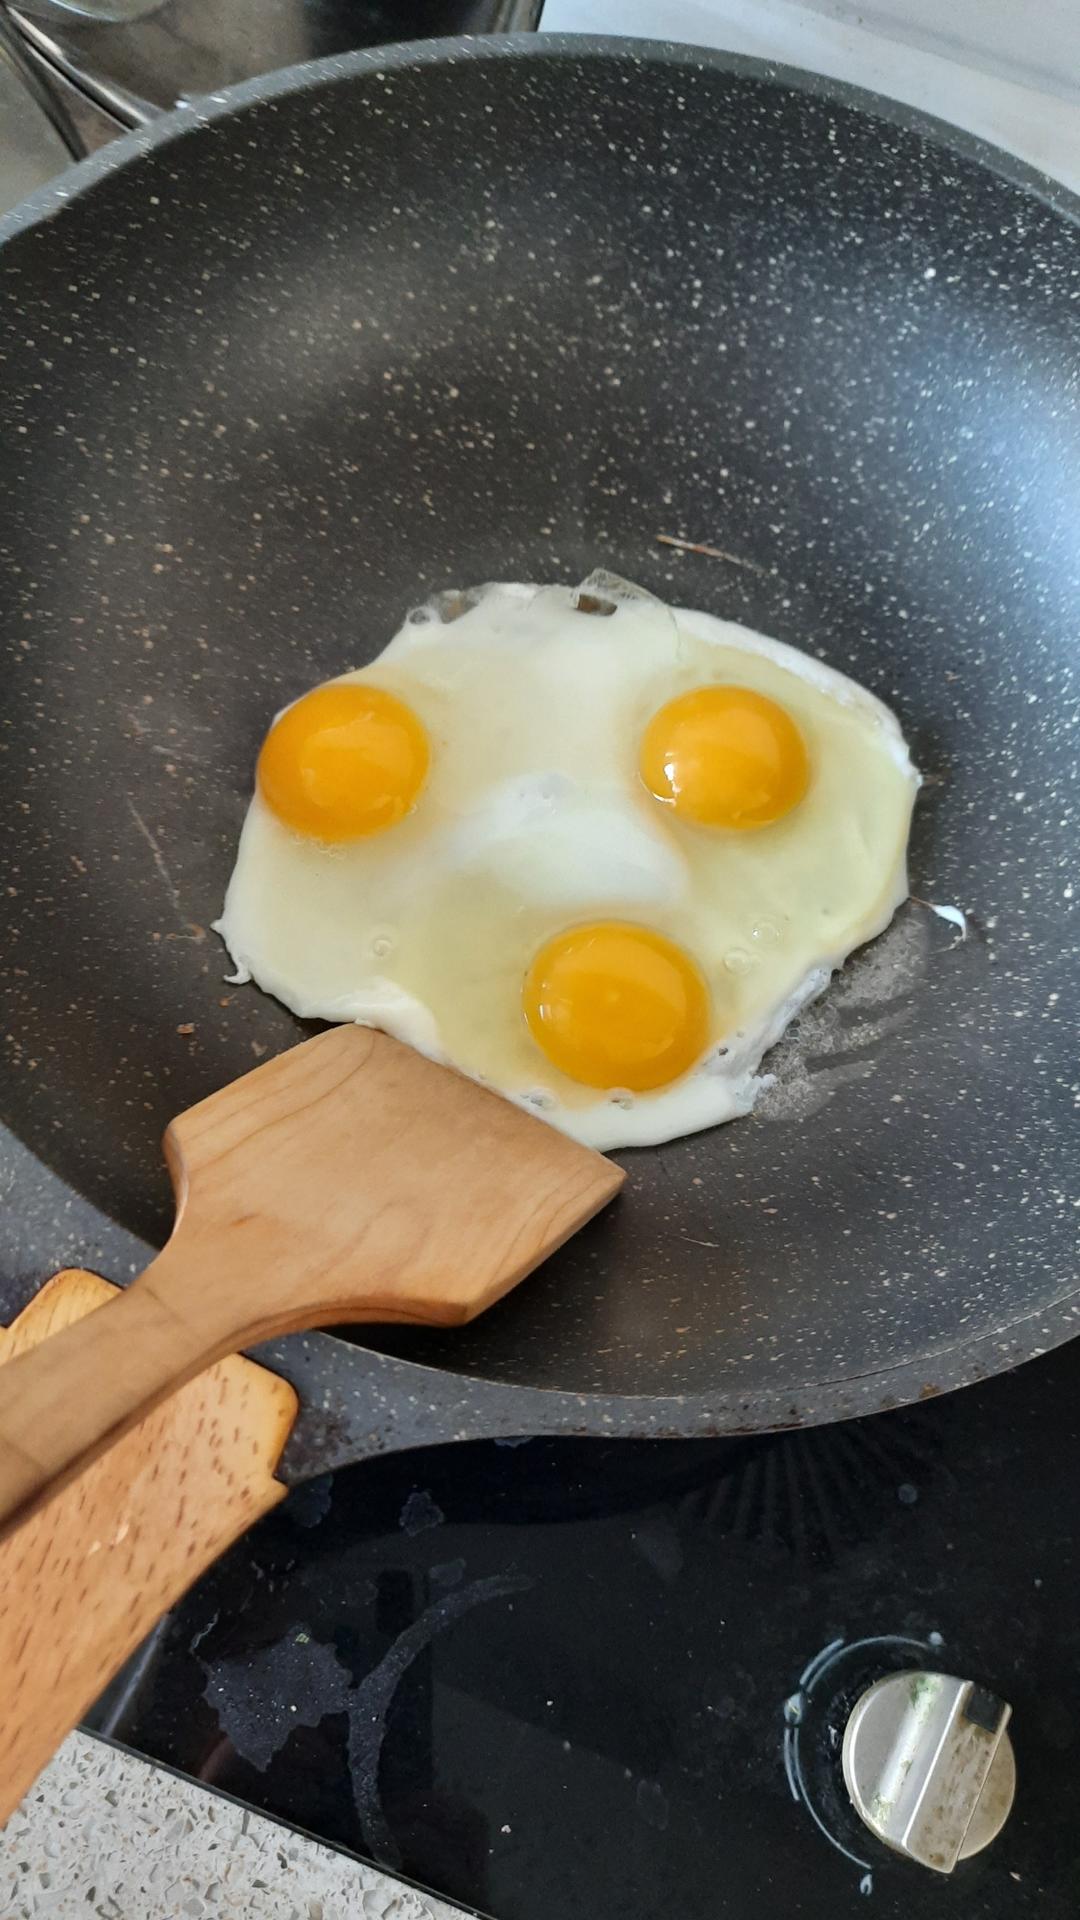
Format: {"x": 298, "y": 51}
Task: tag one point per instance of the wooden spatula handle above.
{"x": 84, "y": 1581}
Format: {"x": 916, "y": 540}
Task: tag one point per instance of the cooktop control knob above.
{"x": 929, "y": 1766}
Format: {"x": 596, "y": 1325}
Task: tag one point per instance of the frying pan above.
{"x": 291, "y": 359}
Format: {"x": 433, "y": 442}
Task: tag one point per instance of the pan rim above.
{"x": 503, "y": 1407}
{"x": 51, "y": 200}
{"x": 385, "y": 1403}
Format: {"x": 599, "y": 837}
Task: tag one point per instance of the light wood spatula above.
{"x": 347, "y": 1180}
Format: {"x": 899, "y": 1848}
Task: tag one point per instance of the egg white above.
{"x": 533, "y": 819}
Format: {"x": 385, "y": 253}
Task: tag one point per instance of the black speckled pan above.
{"x": 275, "y": 370}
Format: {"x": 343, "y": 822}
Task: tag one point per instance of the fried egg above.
{"x": 590, "y": 850}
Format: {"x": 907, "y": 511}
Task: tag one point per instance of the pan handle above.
{"x": 83, "y": 1579}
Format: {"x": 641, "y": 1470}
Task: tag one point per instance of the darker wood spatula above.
{"x": 348, "y": 1180}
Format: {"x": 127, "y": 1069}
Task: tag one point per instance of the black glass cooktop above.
{"x": 550, "y": 1679}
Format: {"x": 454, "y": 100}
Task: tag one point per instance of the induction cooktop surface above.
{"x": 588, "y": 1679}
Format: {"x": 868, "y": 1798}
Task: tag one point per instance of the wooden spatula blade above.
{"x": 353, "y": 1179}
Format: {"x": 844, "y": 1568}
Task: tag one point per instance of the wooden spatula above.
{"x": 348, "y": 1180}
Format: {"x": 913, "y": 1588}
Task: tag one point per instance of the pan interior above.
{"x": 513, "y": 316}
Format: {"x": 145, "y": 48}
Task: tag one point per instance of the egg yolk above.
{"x": 347, "y": 760}
{"x": 616, "y": 1005}
{"x": 725, "y": 757}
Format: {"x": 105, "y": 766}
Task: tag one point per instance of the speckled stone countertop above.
{"x": 105, "y": 1834}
